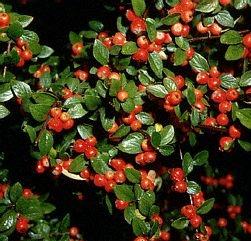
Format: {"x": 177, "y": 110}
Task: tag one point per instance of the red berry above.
{"x": 77, "y": 48}
{"x": 146, "y": 184}
{"x": 91, "y": 152}
{"x": 26, "y": 55}
{"x": 22, "y": 225}
{"x": 201, "y": 28}
{"x": 156, "y": 218}
{"x": 136, "y": 125}
{"x": 226, "y": 142}
{"x": 119, "y": 39}
{"x": 81, "y": 74}
{"x": 198, "y": 94}
{"x": 164, "y": 235}
{"x": 4, "y": 20}
{"x": 214, "y": 83}
{"x": 99, "y": 180}
{"x": 234, "y": 132}
{"x": 80, "y": 146}
{"x": 174, "y": 97}
{"x": 218, "y": 96}
{"x": 215, "y": 29}
{"x": 225, "y": 106}
{"x": 74, "y": 231}
{"x": 180, "y": 186}
{"x": 141, "y": 55}
{"x": 92, "y": 141}
{"x": 225, "y": 2}
{"x": 130, "y": 15}
{"x": 222, "y": 119}
{"x": 138, "y": 26}
{"x": 109, "y": 186}
{"x": 85, "y": 173}
{"x": 160, "y": 38}
{"x": 103, "y": 72}
{"x": 55, "y": 112}
{"x": 185, "y": 31}
{"x": 177, "y": 174}
{"x": 118, "y": 164}
{"x": 68, "y": 124}
{"x": 40, "y": 168}
{"x": 176, "y": 29}
{"x": 122, "y": 95}
{"x": 65, "y": 116}
{"x": 120, "y": 204}
{"x": 190, "y": 53}
{"x": 179, "y": 81}
{"x": 119, "y": 177}
{"x": 210, "y": 121}
{"x": 129, "y": 119}
{"x": 55, "y": 124}
{"x": 66, "y": 93}
{"x": 232, "y": 94}
{"x": 247, "y": 40}
{"x": 196, "y": 221}
{"x": 27, "y": 193}
{"x": 20, "y": 42}
{"x": 202, "y": 78}
{"x": 150, "y": 156}
{"x": 222, "y": 222}
{"x": 188, "y": 211}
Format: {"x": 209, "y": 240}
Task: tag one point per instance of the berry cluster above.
{"x": 177, "y": 175}
{"x": 23, "y": 51}
{"x": 226, "y": 181}
{"x": 86, "y": 146}
{"x": 60, "y": 120}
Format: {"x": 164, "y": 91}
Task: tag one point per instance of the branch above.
{"x": 73, "y": 176}
{"x": 197, "y": 39}
{"x": 7, "y": 51}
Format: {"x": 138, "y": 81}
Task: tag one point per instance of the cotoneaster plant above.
{"x": 131, "y": 110}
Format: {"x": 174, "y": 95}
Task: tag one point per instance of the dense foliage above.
{"x": 140, "y": 114}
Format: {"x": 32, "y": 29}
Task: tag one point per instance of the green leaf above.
{"x": 99, "y": 164}
{"x": 39, "y": 111}
{"x": 139, "y": 7}
{"x": 45, "y": 52}
{"x": 234, "y": 52}
{"x": 77, "y": 111}
{"x": 166, "y": 150}
{"x": 5, "y": 92}
{"x": 170, "y": 19}
{"x": 146, "y": 201}
{"x": 78, "y": 164}
{"x": 15, "y": 192}
{"x": 24, "y": 20}
{"x": 128, "y": 106}
{"x": 15, "y": 30}
{"x": 121, "y": 28}
{"x": 182, "y": 43}
{"x": 108, "y": 204}
{"x": 47, "y": 208}
{"x": 139, "y": 226}
{"x": 199, "y": 63}
{"x": 179, "y": 57}
{"x": 145, "y": 118}
{"x": 151, "y": 29}
{"x": 8, "y": 220}
{"x": 132, "y": 143}
{"x": 207, "y": 6}
{"x": 240, "y": 4}
{"x": 74, "y": 38}
{"x": 124, "y": 192}
{"x": 206, "y": 206}
{"x": 245, "y": 145}
{"x": 31, "y": 132}
{"x": 245, "y": 79}
{"x": 167, "y": 135}
{"x": 3, "y": 112}
{"x": 228, "y": 81}
{"x": 244, "y": 115}
{"x": 201, "y": 158}
{"x": 65, "y": 223}
{"x": 84, "y": 131}
{"x": 30, "y": 208}
{"x": 187, "y": 163}
{"x": 30, "y": 36}
{"x": 169, "y": 84}
{"x": 45, "y": 142}
{"x": 193, "y": 188}
{"x": 129, "y": 213}
{"x": 20, "y": 88}
{"x": 156, "y": 139}
{"x": 180, "y": 223}
{"x": 224, "y": 18}
{"x": 156, "y": 64}
{"x": 231, "y": 37}
{"x": 96, "y": 25}
{"x": 100, "y": 52}
{"x": 129, "y": 48}
{"x": 122, "y": 131}
{"x": 106, "y": 122}
{"x": 157, "y": 90}
{"x": 132, "y": 175}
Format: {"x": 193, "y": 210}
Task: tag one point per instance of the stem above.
{"x": 197, "y": 39}
{"x": 72, "y": 176}
{"x": 7, "y": 51}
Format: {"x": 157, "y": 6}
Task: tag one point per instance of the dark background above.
{"x": 52, "y": 21}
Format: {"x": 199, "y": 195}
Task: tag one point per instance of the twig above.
{"x": 8, "y": 51}
{"x": 197, "y": 39}
{"x": 72, "y": 176}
